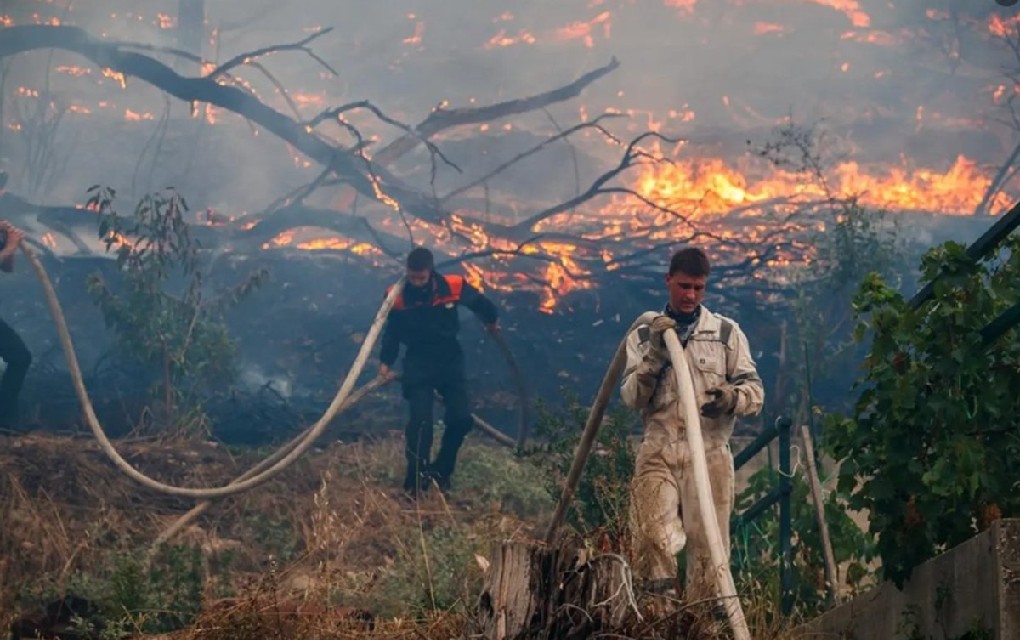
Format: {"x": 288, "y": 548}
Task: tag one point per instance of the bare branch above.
{"x": 594, "y": 124}
{"x": 441, "y": 119}
{"x": 250, "y": 56}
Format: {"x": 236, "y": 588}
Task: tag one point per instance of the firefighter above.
{"x": 664, "y": 516}
{"x": 12, "y": 348}
{"x": 425, "y": 319}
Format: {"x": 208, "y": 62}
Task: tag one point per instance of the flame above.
{"x": 583, "y": 30}
{"x": 877, "y": 37}
{"x": 340, "y": 244}
{"x": 764, "y": 28}
{"x": 501, "y": 39}
{"x": 1003, "y": 28}
{"x": 851, "y": 8}
{"x": 116, "y": 75}
{"x": 712, "y": 186}
{"x": 166, "y": 21}
{"x": 135, "y": 116}
{"x": 419, "y": 31}
{"x": 337, "y": 243}
{"x": 686, "y": 5}
{"x": 308, "y": 99}
{"x": 73, "y": 71}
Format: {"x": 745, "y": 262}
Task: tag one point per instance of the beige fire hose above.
{"x": 727, "y": 590}
{"x": 725, "y": 586}
{"x": 275, "y": 463}
{"x": 178, "y": 525}
{"x": 285, "y": 459}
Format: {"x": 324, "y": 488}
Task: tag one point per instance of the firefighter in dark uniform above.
{"x": 425, "y": 319}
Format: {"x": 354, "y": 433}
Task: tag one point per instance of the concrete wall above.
{"x": 973, "y": 588}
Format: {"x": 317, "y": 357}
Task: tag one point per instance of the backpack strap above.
{"x": 725, "y": 331}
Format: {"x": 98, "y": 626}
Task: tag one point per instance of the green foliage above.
{"x": 932, "y": 446}
{"x": 159, "y": 309}
{"x": 491, "y": 477}
{"x": 756, "y": 549}
{"x": 603, "y": 492}
{"x": 435, "y": 570}
{"x": 136, "y": 600}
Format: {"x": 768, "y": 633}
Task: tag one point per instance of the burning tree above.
{"x": 352, "y": 191}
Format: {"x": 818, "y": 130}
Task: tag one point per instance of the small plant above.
{"x": 756, "y": 552}
{"x": 601, "y": 502}
{"x": 159, "y": 311}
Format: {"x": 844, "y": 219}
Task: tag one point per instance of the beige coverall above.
{"x": 664, "y": 512}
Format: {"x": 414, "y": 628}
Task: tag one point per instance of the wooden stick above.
{"x": 831, "y": 571}
{"x": 591, "y": 427}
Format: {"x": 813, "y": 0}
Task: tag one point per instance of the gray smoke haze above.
{"x": 888, "y": 78}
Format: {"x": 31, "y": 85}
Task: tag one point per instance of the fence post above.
{"x": 784, "y": 425}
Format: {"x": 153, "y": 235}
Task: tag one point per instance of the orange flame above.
{"x": 851, "y": 8}
{"x": 136, "y": 116}
{"x": 686, "y": 5}
{"x": 764, "y": 28}
{"x": 1003, "y": 28}
{"x": 116, "y": 75}
{"x": 501, "y": 39}
{"x": 583, "y": 30}
{"x": 711, "y": 186}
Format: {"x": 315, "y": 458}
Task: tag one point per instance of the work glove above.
{"x": 657, "y": 343}
{"x": 724, "y": 401}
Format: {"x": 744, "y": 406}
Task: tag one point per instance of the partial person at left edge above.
{"x": 12, "y": 348}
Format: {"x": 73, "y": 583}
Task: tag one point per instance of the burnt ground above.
{"x": 298, "y": 335}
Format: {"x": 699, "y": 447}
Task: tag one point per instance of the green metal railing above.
{"x": 780, "y": 494}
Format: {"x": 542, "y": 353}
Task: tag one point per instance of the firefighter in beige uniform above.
{"x": 664, "y": 514}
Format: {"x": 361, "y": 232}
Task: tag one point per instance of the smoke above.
{"x": 884, "y": 76}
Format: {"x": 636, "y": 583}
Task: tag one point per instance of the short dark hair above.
{"x": 420, "y": 259}
{"x": 690, "y": 261}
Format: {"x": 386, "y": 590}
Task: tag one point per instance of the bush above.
{"x": 931, "y": 447}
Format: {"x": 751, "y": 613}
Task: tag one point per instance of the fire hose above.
{"x": 264, "y": 471}
{"x": 344, "y": 398}
{"x": 725, "y": 587}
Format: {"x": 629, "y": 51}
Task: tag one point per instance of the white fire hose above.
{"x": 725, "y": 587}
{"x": 345, "y": 398}
{"x": 291, "y": 451}
{"x": 249, "y": 479}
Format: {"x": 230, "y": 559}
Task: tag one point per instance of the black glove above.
{"x": 724, "y": 400}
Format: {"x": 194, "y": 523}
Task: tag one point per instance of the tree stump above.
{"x": 534, "y": 592}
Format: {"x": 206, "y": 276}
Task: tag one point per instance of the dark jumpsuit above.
{"x": 18, "y": 358}
{"x": 425, "y": 319}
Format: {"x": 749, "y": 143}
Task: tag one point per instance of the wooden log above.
{"x": 534, "y": 592}
{"x": 831, "y": 570}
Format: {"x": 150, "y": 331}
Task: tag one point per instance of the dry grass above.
{"x": 305, "y": 556}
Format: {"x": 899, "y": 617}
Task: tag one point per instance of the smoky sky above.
{"x": 891, "y": 79}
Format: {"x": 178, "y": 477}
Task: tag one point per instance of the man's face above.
{"x": 418, "y": 278}
{"x": 685, "y": 292}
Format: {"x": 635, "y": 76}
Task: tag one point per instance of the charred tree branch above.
{"x": 441, "y": 119}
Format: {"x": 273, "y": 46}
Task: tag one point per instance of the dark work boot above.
{"x": 441, "y": 471}
{"x": 416, "y": 480}
{"x": 441, "y": 479}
